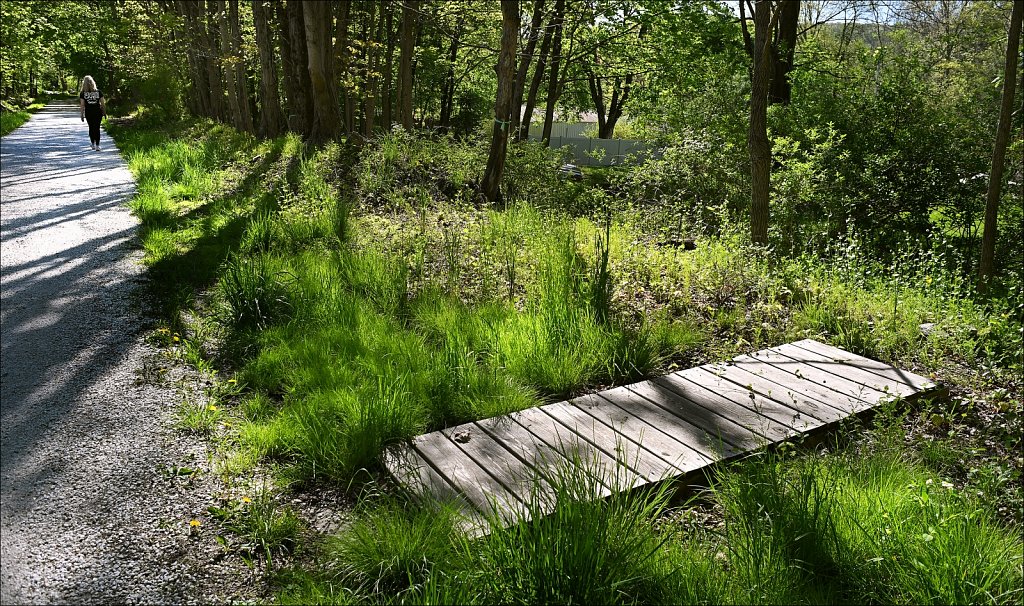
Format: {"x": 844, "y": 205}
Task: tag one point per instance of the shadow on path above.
{"x": 81, "y": 438}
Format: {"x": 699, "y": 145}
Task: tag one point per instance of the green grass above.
{"x": 359, "y": 297}
{"x": 257, "y": 528}
{"x": 12, "y": 120}
{"x": 794, "y": 530}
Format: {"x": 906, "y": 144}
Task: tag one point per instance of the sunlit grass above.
{"x": 795, "y": 530}
{"x": 362, "y": 308}
{"x": 12, "y": 120}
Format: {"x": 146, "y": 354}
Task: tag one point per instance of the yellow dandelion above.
{"x": 212, "y": 407}
{"x": 246, "y": 500}
{"x": 195, "y": 523}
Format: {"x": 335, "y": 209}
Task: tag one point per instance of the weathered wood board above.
{"x": 653, "y": 431}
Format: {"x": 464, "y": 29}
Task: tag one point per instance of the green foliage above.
{"x": 257, "y": 527}
{"x": 256, "y": 292}
{"x": 871, "y": 529}
{"x": 12, "y": 120}
{"x": 692, "y": 188}
{"x": 394, "y": 549}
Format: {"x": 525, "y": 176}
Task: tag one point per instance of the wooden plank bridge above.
{"x": 663, "y": 429}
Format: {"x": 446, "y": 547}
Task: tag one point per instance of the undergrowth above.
{"x": 360, "y": 296}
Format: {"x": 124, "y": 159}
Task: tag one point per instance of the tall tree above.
{"x": 227, "y": 59}
{"x": 557, "y": 22}
{"x": 781, "y": 46}
{"x": 523, "y": 133}
{"x": 218, "y": 109}
{"x": 783, "y": 51}
{"x": 241, "y": 80}
{"x": 408, "y": 37}
{"x": 765, "y": 14}
{"x": 341, "y": 51}
{"x": 320, "y": 56}
{"x": 506, "y": 70}
{"x": 372, "y": 70}
{"x": 525, "y": 60}
{"x": 387, "y": 113}
{"x": 448, "y": 92}
{"x": 271, "y": 118}
{"x": 995, "y": 181}
{"x": 301, "y": 106}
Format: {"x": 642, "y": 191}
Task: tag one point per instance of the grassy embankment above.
{"x": 357, "y": 297}
{"x": 10, "y": 120}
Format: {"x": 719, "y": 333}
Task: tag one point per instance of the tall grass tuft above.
{"x": 868, "y": 528}
{"x": 255, "y": 291}
{"x": 586, "y": 551}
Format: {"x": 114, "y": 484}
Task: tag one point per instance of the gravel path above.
{"x": 89, "y": 510}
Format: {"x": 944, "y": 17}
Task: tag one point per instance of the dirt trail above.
{"x": 89, "y": 512}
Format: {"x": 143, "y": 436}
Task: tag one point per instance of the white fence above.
{"x": 563, "y": 129}
{"x": 587, "y": 151}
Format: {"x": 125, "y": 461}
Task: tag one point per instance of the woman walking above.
{"x": 90, "y": 101}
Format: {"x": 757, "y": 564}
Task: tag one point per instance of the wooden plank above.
{"x": 514, "y": 474}
{"x": 608, "y": 440}
{"x": 834, "y": 355}
{"x": 646, "y": 432}
{"x": 703, "y": 438}
{"x": 867, "y": 394}
{"x": 794, "y": 396}
{"x": 766, "y": 428}
{"x": 889, "y": 388}
{"x": 480, "y": 488}
{"x": 544, "y": 459}
{"x": 576, "y": 449}
{"x": 843, "y": 403}
{"x": 424, "y": 484}
{"x": 892, "y": 386}
{"x": 631, "y": 424}
{"x": 725, "y": 435}
{"x": 751, "y": 400}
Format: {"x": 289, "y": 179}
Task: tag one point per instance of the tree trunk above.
{"x": 238, "y": 65}
{"x": 782, "y": 53}
{"x": 525, "y": 61}
{"x": 342, "y": 53}
{"x": 372, "y": 65}
{"x": 523, "y": 133}
{"x": 302, "y": 107}
{"x": 505, "y": 69}
{"x": 228, "y": 66}
{"x": 289, "y": 79}
{"x": 320, "y": 56}
{"x": 448, "y": 94}
{"x": 405, "y": 66}
{"x": 217, "y": 102}
{"x": 988, "y": 241}
{"x": 556, "y": 60}
{"x": 200, "y": 98}
{"x": 757, "y": 137}
{"x": 387, "y": 116}
{"x": 271, "y": 118}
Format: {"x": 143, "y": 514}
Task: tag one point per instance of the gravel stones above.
{"x": 89, "y": 512}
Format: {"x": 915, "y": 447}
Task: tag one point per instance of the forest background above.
{"x": 329, "y": 187}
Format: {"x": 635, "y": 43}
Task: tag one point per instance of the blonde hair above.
{"x": 88, "y": 85}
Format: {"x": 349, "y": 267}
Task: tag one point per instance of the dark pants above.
{"x": 94, "y": 127}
